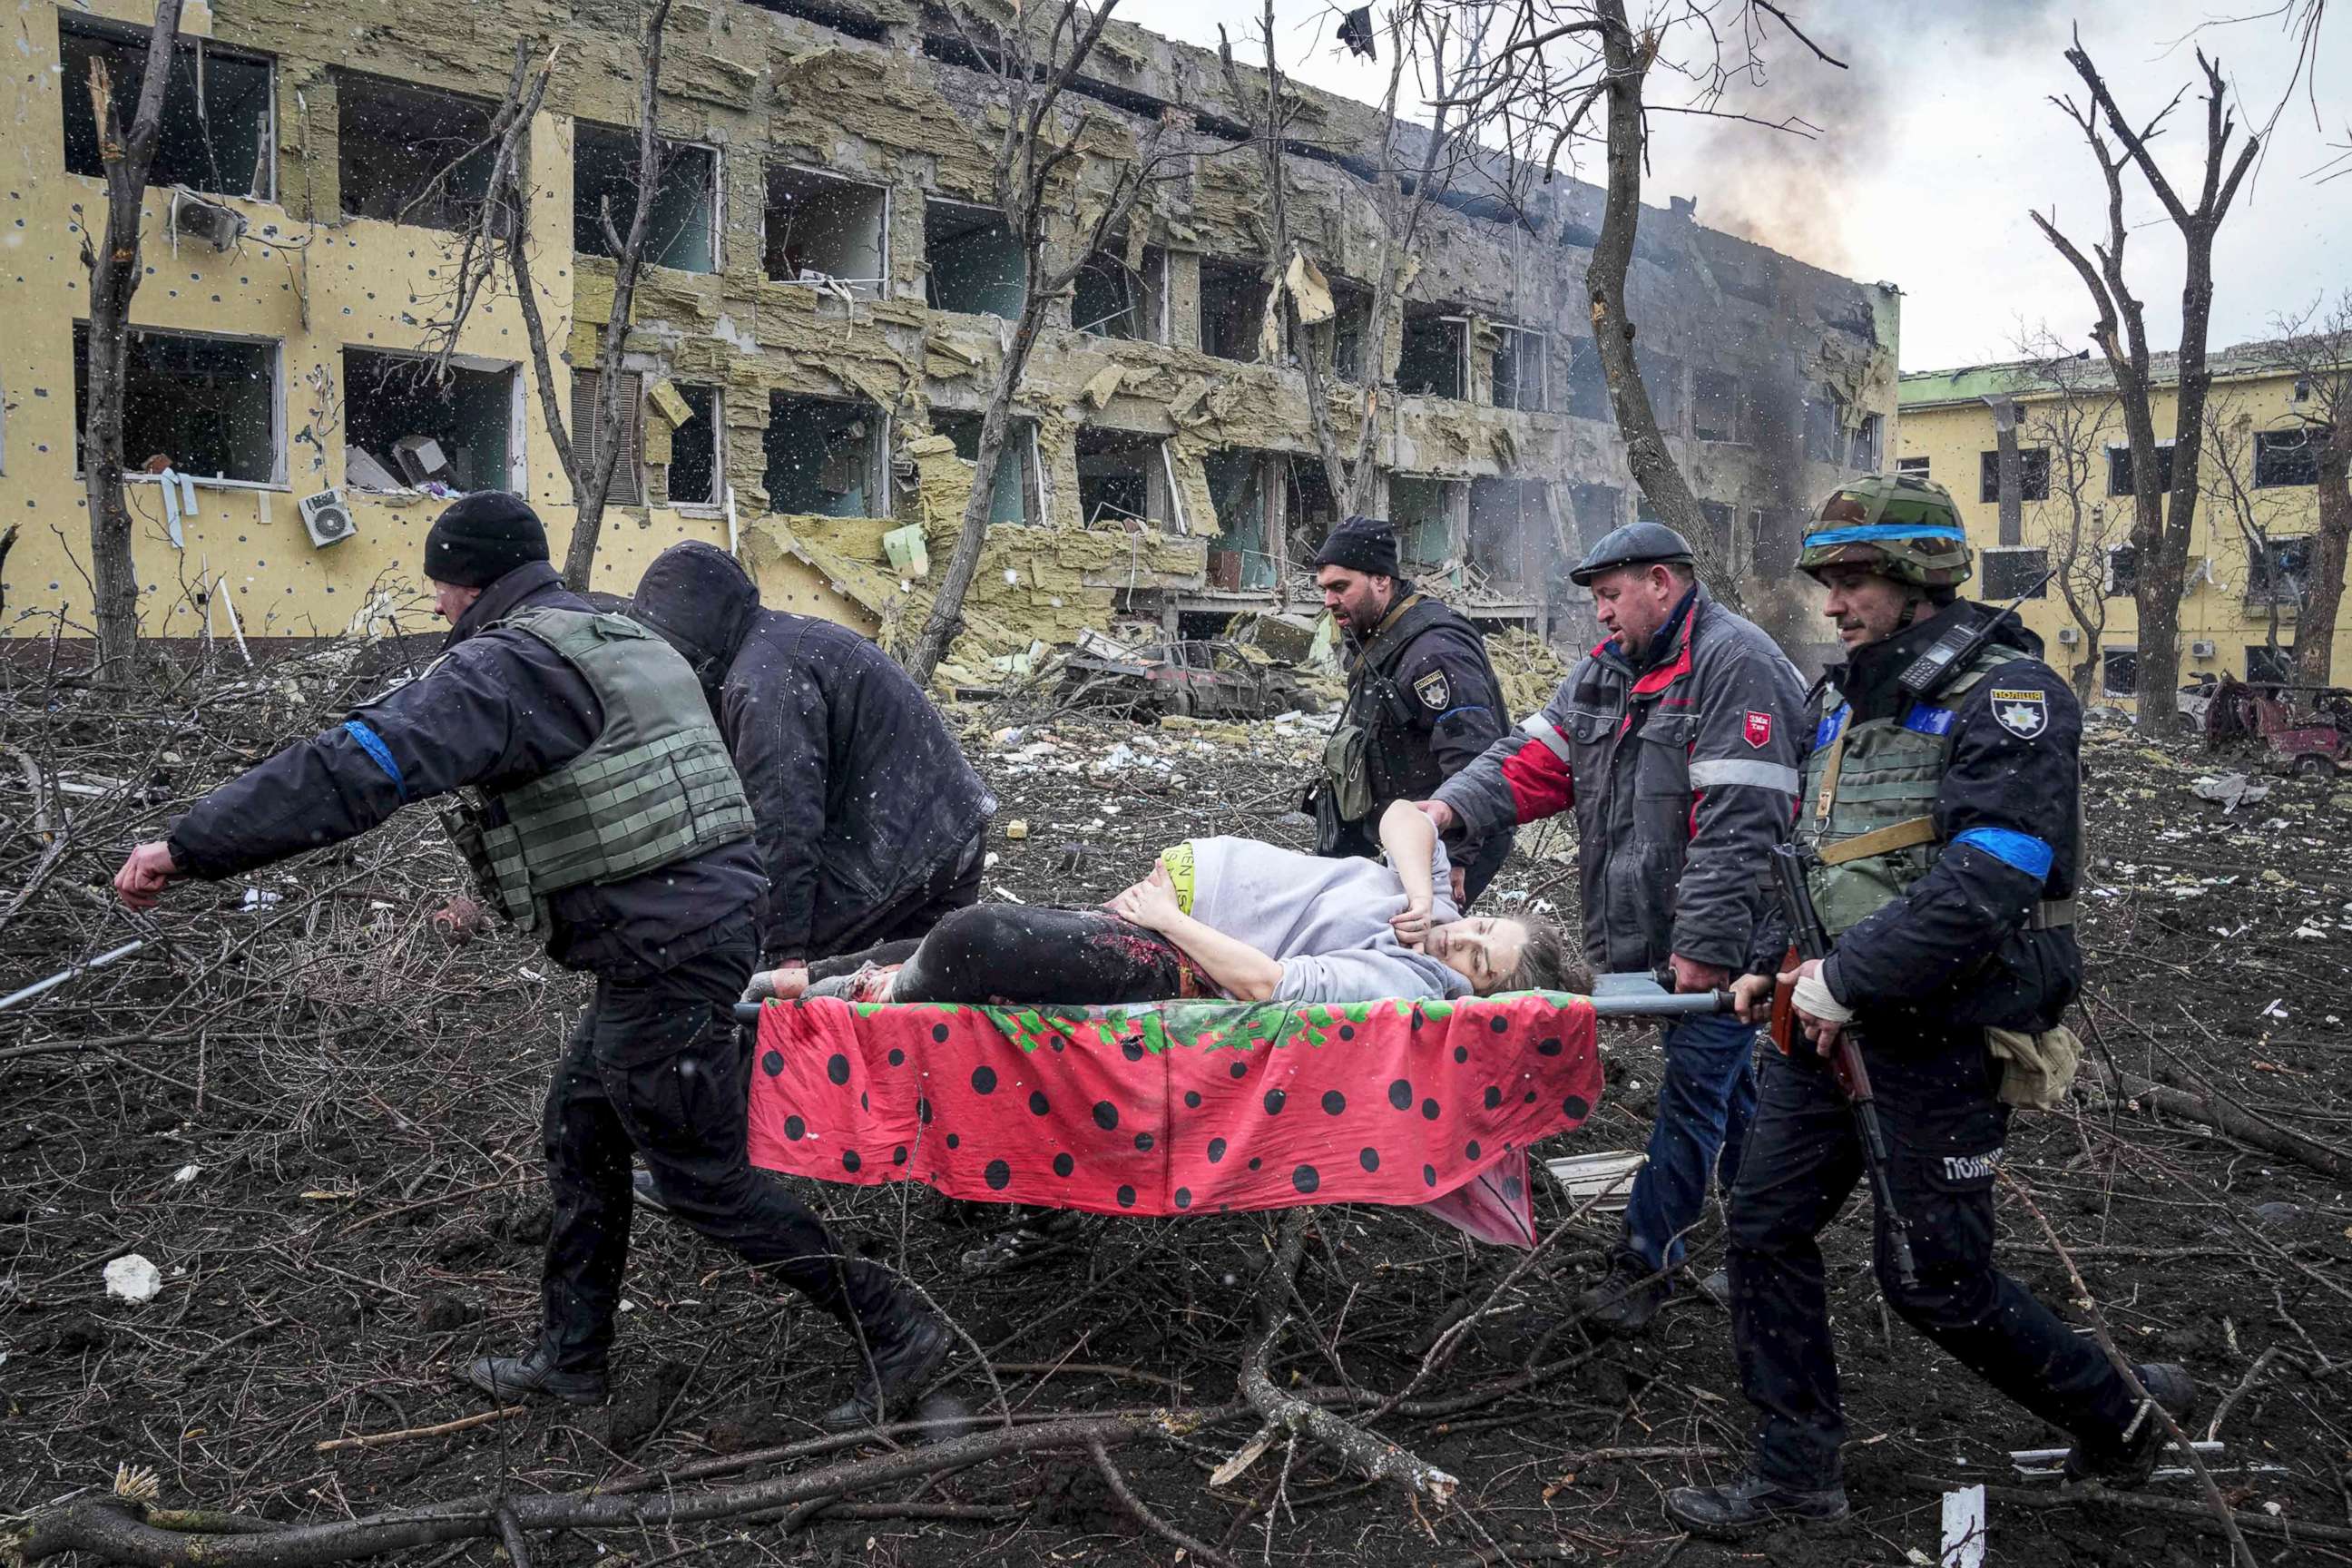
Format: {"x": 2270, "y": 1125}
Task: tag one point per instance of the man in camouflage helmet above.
{"x": 1940, "y": 796}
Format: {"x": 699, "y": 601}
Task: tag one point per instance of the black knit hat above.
{"x": 481, "y": 538}
{"x": 1361, "y": 544}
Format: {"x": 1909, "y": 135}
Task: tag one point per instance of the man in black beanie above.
{"x": 601, "y": 812}
{"x": 1423, "y": 700}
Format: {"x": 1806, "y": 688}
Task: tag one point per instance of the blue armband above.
{"x": 2021, "y": 850}
{"x": 372, "y": 744}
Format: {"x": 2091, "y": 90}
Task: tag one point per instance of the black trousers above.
{"x": 910, "y": 916}
{"x": 1023, "y": 953}
{"x": 658, "y": 1065}
{"x": 1945, "y": 1126}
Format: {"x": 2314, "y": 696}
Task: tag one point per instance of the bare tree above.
{"x": 114, "y": 273}
{"x": 1039, "y": 172}
{"x": 2066, "y": 408}
{"x": 2318, "y": 346}
{"x": 500, "y": 233}
{"x": 2160, "y": 532}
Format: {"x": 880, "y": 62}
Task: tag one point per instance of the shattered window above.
{"x": 1519, "y": 369}
{"x": 1824, "y": 432}
{"x": 696, "y": 458}
{"x": 2279, "y": 571}
{"x": 628, "y": 488}
{"x": 1510, "y": 537}
{"x": 205, "y": 406}
{"x": 1914, "y": 466}
{"x": 407, "y": 429}
{"x": 1240, "y": 558}
{"x": 1349, "y": 330}
{"x": 1719, "y": 525}
{"x": 1123, "y": 478}
{"x": 1014, "y": 495}
{"x": 681, "y": 229}
{"x": 1116, "y": 300}
{"x": 217, "y": 129}
{"x": 1434, "y": 363}
{"x": 2119, "y": 469}
{"x": 1422, "y": 509}
{"x": 2123, "y": 571}
{"x": 1308, "y": 509}
{"x": 1233, "y": 308}
{"x": 1867, "y": 438}
{"x": 976, "y": 265}
{"x": 824, "y": 457}
{"x": 2033, "y": 476}
{"x": 1662, "y": 378}
{"x": 2011, "y": 571}
{"x": 1588, "y": 383}
{"x": 2119, "y": 671}
{"x": 2270, "y": 666}
{"x": 1716, "y": 406}
{"x": 1598, "y": 507}
{"x": 407, "y": 155}
{"x": 2286, "y": 457}
{"x": 824, "y": 230}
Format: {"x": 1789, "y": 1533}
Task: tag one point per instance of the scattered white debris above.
{"x": 133, "y": 1278}
{"x": 186, "y": 1173}
{"x": 2229, "y": 789}
{"x": 2274, "y": 1010}
{"x": 1964, "y": 1528}
{"x": 261, "y": 897}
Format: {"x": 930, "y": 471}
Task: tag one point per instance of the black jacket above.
{"x": 1958, "y": 948}
{"x": 497, "y": 709}
{"x": 859, "y": 792}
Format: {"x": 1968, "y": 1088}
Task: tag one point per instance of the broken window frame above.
{"x": 1350, "y": 328}
{"x": 1160, "y": 489}
{"x": 718, "y": 416}
{"x": 2119, "y": 671}
{"x": 2298, "y": 466}
{"x": 1250, "y": 284}
{"x": 2268, "y": 666}
{"x": 2025, "y": 561}
{"x": 1734, "y": 431}
{"x": 1512, "y": 345}
{"x": 876, "y": 494}
{"x": 714, "y": 228}
{"x": 133, "y": 459}
{"x": 2030, "y": 459}
{"x": 1148, "y": 287}
{"x": 848, "y": 20}
{"x": 2120, "y": 575}
{"x": 1452, "y": 515}
{"x": 1867, "y": 444}
{"x": 1534, "y": 552}
{"x": 1588, "y": 382}
{"x": 931, "y": 296}
{"x": 1913, "y": 467}
{"x": 2278, "y": 570}
{"x": 518, "y": 470}
{"x": 1022, "y": 447}
{"x": 1298, "y": 472}
{"x": 628, "y": 485}
{"x": 133, "y": 37}
{"x": 1424, "y": 320}
{"x": 2119, "y": 473}
{"x": 1664, "y": 378}
{"x": 1263, "y": 563}
{"x": 874, "y": 288}
{"x": 453, "y": 211}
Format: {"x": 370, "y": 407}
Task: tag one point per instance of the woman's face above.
{"x": 1482, "y": 951}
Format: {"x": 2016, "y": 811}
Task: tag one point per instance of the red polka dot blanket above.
{"x": 1181, "y": 1106}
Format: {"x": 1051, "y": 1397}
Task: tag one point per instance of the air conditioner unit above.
{"x": 2201, "y": 648}
{"x": 2070, "y": 635}
{"x": 328, "y": 517}
{"x": 219, "y": 226}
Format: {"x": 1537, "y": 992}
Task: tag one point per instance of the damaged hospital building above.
{"x": 811, "y": 344}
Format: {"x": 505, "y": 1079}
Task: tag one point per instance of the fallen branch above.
{"x": 440, "y": 1429}
{"x": 1200, "y": 1551}
{"x": 2226, "y": 1116}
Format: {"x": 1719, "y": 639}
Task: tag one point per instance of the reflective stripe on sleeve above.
{"x": 1713, "y": 774}
{"x": 1544, "y": 730}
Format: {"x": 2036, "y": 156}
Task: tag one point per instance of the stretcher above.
{"x": 1188, "y": 1107}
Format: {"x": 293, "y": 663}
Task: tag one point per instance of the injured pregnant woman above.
{"x": 1230, "y": 917}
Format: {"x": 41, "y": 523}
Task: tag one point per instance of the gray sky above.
{"x": 1939, "y": 138}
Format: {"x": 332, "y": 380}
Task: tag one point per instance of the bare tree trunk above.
{"x": 612, "y": 414}
{"x": 114, "y": 274}
{"x": 2315, "y": 630}
{"x": 1628, "y": 59}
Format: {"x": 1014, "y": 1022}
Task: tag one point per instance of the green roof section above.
{"x": 2025, "y": 377}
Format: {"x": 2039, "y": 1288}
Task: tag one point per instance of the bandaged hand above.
{"x": 1824, "y": 1016}
{"x": 1150, "y": 903}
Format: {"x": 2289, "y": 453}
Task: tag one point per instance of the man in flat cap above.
{"x": 600, "y": 810}
{"x": 1423, "y": 700}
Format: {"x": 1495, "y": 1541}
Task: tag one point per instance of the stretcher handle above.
{"x": 1661, "y": 1003}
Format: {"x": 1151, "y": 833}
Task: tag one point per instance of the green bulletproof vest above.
{"x": 655, "y": 787}
{"x": 1869, "y": 803}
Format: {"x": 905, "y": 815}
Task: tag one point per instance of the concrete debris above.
{"x": 133, "y": 1278}
{"x": 2232, "y": 790}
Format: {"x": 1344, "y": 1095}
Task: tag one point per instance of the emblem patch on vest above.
{"x": 1758, "y": 729}
{"x": 2023, "y": 713}
{"x": 1433, "y": 691}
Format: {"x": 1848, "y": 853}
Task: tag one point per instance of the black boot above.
{"x": 904, "y": 1345}
{"x": 1627, "y": 1299}
{"x": 1750, "y": 1504}
{"x": 507, "y": 1377}
{"x": 2129, "y": 1463}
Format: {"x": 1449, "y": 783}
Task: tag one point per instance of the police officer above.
{"x": 870, "y": 819}
{"x": 602, "y": 813}
{"x": 1423, "y": 700}
{"x": 1673, "y": 741}
{"x": 1941, "y": 796}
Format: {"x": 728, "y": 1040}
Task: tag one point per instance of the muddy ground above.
{"x": 319, "y": 1119}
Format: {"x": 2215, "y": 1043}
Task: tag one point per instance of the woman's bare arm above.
{"x": 1410, "y": 837}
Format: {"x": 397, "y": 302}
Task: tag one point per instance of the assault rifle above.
{"x": 1810, "y": 939}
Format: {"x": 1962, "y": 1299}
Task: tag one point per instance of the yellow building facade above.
{"x": 2251, "y": 549}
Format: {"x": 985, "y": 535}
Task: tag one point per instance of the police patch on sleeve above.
{"x": 1433, "y": 691}
{"x": 2023, "y": 713}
